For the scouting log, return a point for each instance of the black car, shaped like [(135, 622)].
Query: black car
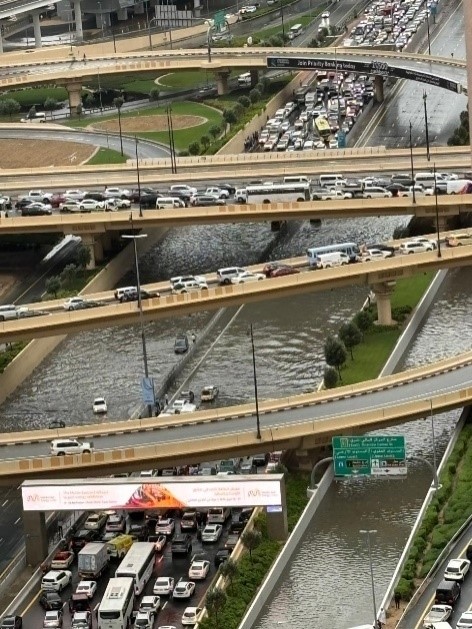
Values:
[(181, 544), (57, 423), (139, 530), (35, 209), (260, 460), (133, 295), (221, 556), (11, 622), (181, 344), (50, 600), (96, 196), (82, 537), (141, 192)]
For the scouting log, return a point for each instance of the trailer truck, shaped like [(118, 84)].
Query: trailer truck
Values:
[(93, 560)]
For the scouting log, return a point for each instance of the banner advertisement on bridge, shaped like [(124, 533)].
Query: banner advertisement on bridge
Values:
[(379, 68), (179, 494)]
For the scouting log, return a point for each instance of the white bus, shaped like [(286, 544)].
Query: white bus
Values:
[(278, 192), (295, 31), (351, 249), (117, 604), (138, 564)]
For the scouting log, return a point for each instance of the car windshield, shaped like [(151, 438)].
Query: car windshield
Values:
[(452, 569)]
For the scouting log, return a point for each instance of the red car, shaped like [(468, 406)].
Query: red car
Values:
[(275, 269)]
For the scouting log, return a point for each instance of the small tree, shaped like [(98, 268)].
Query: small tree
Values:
[(154, 94), (330, 378), (79, 109), (238, 110), (244, 101), (228, 116), (89, 100), (251, 539), (214, 131), (214, 602), (53, 285), (69, 274), (50, 104), (9, 106), (254, 96), (83, 256), (194, 148), (350, 335), (335, 353), (31, 113), (205, 142), (363, 320), (229, 569), (118, 102)]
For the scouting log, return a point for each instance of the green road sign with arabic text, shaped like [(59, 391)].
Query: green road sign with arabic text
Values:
[(365, 455)]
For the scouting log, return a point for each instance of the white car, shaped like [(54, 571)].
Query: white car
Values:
[(219, 193), (166, 526), (188, 287), (115, 523), (52, 619), (164, 586), (199, 569), (75, 194), (99, 406), (56, 580), (189, 279), (325, 15), (437, 613), (190, 615), (86, 587), (374, 254), (413, 246), (118, 193), (183, 589), (426, 241), (62, 447), (211, 533), (95, 521), (457, 569), (150, 604), (144, 620), (184, 189), (91, 205), (376, 192), (69, 206), (73, 303), (247, 276), (465, 621)]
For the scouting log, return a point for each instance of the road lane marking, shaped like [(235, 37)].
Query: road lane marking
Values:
[(17, 520), (31, 603), (6, 502)]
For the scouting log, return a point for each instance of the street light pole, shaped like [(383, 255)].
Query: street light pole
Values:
[(149, 27), (412, 167), (138, 176), (283, 24), (170, 129), (437, 210), (435, 467), (258, 425), (425, 98), (429, 37), (119, 126), (134, 238), (370, 532)]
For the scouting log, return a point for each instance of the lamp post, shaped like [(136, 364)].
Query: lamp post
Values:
[(169, 24), (209, 43), (425, 98), (283, 23), (118, 102), (368, 533), (100, 91), (258, 424), (435, 466), (138, 176), (135, 238), (170, 129), (412, 167), (149, 27), (427, 26), (437, 211)]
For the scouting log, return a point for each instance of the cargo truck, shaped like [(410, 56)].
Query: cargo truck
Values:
[(93, 560)]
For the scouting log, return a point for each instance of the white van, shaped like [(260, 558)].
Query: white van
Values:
[(295, 31), (330, 260), (39, 116), (297, 179), (218, 515), (245, 79), (332, 181), (240, 196), (459, 186), (169, 203), (427, 179)]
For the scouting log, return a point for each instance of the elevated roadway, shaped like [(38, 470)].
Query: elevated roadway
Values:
[(303, 421), (100, 222), (354, 162), (67, 70), (379, 274)]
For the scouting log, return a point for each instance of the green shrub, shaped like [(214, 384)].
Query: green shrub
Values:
[(405, 588)]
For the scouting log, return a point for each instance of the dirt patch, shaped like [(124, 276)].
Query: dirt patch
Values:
[(42, 153), (150, 123)]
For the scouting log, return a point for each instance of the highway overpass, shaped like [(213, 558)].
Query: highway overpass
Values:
[(97, 223), (380, 275), (302, 422)]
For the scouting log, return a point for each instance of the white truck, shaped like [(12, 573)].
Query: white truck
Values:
[(37, 195), (92, 560)]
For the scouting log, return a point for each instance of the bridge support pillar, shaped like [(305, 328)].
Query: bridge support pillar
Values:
[(79, 31), (95, 246), (379, 88), (122, 14), (277, 523), (1, 42), (383, 292), (74, 89), (36, 537), (37, 30), (254, 77), (222, 82)]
